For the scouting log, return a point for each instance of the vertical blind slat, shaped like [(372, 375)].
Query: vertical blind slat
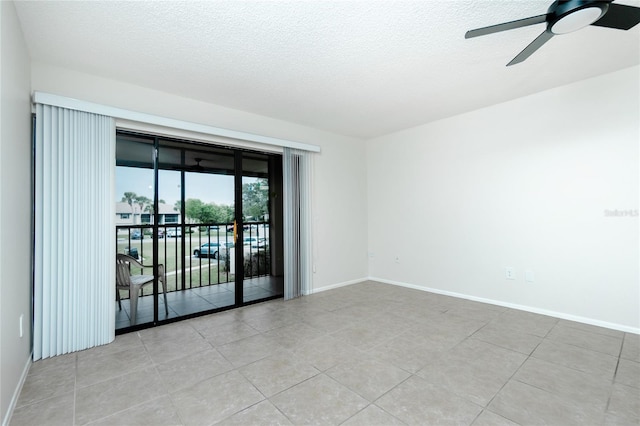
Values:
[(297, 222), (74, 249)]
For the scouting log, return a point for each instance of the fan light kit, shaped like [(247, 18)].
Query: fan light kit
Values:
[(566, 16)]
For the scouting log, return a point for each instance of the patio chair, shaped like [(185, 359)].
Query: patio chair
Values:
[(133, 283)]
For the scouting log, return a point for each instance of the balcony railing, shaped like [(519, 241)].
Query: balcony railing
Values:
[(198, 254)]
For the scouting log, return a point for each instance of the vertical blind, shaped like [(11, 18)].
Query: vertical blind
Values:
[(296, 175), (74, 248)]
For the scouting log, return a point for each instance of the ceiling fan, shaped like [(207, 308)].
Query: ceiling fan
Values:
[(565, 16), (197, 167)]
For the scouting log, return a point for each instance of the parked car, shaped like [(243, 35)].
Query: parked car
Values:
[(174, 232), (136, 235), (255, 242), (133, 252), (230, 228), (211, 249)]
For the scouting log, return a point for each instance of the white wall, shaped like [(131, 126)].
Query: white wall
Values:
[(339, 202), (522, 184), (15, 206)]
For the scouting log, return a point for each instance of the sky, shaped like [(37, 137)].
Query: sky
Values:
[(209, 188)]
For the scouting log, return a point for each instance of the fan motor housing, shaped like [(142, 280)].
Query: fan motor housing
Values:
[(565, 16)]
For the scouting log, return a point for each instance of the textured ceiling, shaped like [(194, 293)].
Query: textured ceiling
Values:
[(361, 69)]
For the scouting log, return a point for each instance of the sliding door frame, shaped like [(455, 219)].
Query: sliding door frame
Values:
[(238, 155)]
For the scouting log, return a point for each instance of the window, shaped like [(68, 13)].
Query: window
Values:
[(170, 218), (125, 215)]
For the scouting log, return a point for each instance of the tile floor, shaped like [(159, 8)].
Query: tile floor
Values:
[(198, 299), (366, 354)]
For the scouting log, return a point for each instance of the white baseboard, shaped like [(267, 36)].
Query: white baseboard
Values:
[(16, 393), (555, 314), (342, 284)]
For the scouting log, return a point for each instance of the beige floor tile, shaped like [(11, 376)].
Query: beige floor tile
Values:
[(394, 322), (319, 401), (373, 416), (446, 330), (625, 404), (59, 363), (597, 342), (475, 312), (613, 420), (508, 338), (628, 373), (47, 382), (213, 320), (121, 343), (587, 361), (326, 351), (486, 356), (272, 375), (367, 377), (525, 322), (55, 411), (262, 414), (174, 343), (330, 303), (109, 397), (183, 372), (566, 383), (528, 405), (295, 335), (361, 311), (327, 322), (474, 383), (166, 332), (631, 347), (591, 328), (100, 366), (157, 412), (215, 399), (363, 336), (419, 402), (487, 418), (250, 349), (272, 319), (226, 333), (410, 351)]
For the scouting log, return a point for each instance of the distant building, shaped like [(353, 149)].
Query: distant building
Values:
[(131, 215)]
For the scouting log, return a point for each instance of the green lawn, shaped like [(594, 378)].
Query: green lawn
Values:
[(198, 271)]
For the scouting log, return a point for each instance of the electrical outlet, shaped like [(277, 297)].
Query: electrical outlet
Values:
[(509, 273)]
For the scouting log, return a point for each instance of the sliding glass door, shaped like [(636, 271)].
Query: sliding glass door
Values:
[(205, 221)]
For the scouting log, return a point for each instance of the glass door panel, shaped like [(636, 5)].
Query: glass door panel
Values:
[(134, 181), (210, 256), (169, 231), (197, 183), (260, 280)]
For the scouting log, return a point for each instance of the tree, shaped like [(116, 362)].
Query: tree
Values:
[(142, 201), (193, 209), (255, 199), (129, 198), (149, 208), (199, 212)]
